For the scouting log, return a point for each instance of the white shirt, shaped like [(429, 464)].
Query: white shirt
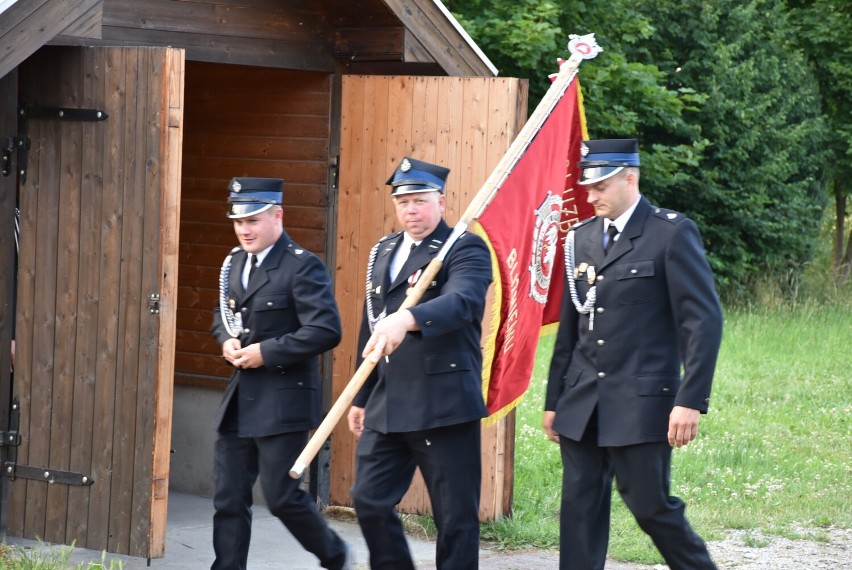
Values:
[(247, 265), (621, 220), (401, 255)]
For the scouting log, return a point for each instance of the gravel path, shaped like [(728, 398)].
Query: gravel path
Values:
[(773, 553)]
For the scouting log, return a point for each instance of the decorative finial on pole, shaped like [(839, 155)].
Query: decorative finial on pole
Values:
[(580, 48)]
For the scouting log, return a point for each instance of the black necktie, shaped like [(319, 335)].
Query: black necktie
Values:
[(253, 267), (611, 232)]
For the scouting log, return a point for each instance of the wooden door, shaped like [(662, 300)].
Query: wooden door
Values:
[(97, 284), (465, 124)]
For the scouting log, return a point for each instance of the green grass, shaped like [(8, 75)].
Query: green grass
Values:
[(772, 456), (44, 557)]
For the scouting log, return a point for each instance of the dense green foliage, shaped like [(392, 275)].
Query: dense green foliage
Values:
[(730, 115), (824, 30)]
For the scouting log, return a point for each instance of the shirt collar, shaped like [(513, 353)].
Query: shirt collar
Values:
[(262, 255), (407, 240), (622, 220)]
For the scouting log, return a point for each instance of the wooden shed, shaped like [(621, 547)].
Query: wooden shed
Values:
[(122, 122)]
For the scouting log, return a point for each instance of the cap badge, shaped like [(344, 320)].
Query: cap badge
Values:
[(584, 150), (236, 186), (405, 166)]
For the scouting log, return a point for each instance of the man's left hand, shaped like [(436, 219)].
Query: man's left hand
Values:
[(683, 426), (249, 357)]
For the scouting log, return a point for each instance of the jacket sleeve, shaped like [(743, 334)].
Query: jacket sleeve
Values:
[(319, 320), (566, 338), (697, 314), (462, 297), (363, 336)]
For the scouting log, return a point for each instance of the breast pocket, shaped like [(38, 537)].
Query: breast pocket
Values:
[(269, 312), (636, 280)]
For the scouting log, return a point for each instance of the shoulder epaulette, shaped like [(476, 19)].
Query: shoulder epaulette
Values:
[(235, 250), (389, 236), (295, 250), (669, 215), (583, 222)]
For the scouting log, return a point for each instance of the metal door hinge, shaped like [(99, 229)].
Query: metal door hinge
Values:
[(154, 304), (21, 143), (12, 439)]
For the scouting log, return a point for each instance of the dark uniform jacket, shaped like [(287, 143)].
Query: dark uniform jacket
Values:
[(657, 330), (434, 378), (290, 310)]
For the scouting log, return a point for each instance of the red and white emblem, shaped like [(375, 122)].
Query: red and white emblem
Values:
[(585, 47), (544, 245)]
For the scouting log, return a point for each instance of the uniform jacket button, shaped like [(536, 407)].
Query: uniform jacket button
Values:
[(600, 310), (269, 303), (601, 342), (600, 277), (601, 375), (246, 331)]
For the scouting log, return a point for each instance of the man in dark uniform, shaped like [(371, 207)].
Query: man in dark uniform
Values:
[(639, 307), (277, 314), (423, 403)]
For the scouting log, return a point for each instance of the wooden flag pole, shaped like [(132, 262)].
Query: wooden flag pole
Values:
[(581, 47)]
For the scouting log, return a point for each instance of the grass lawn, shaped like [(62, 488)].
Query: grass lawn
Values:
[(773, 455)]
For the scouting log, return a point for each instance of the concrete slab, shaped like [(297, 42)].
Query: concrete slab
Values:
[(189, 546)]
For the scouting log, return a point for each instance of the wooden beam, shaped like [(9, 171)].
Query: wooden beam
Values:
[(302, 56), (442, 37), (88, 25), (369, 43), (413, 50), (26, 26)]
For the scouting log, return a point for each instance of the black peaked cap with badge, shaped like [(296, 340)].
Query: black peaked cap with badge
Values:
[(417, 176), (604, 158), (250, 196)]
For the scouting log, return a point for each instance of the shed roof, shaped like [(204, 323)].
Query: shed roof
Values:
[(420, 37)]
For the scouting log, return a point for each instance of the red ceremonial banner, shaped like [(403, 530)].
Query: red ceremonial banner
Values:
[(525, 227)]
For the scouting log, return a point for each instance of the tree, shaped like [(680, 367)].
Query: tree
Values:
[(823, 29), (755, 189), (725, 108)]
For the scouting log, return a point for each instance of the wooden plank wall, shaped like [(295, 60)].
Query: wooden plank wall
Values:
[(90, 351), (243, 121), (465, 124), (255, 32)]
